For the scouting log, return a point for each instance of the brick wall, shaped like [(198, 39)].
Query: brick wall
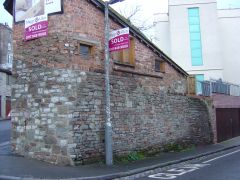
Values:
[(81, 21)]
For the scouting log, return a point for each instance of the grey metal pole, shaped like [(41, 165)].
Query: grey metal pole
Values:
[(108, 125)]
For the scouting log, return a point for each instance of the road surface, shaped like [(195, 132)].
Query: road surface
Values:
[(5, 136), (225, 166)]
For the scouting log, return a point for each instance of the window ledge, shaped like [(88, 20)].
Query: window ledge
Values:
[(132, 71), (158, 71), (86, 40), (124, 64)]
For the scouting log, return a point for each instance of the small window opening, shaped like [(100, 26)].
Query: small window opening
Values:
[(160, 65), (85, 51)]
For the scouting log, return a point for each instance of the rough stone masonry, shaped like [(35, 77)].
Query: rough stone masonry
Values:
[(58, 115)]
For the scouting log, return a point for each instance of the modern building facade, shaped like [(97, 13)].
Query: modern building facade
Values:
[(229, 28), (202, 39)]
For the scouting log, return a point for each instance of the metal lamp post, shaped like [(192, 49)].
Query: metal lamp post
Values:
[(108, 125)]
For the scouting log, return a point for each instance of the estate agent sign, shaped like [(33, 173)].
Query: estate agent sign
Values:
[(36, 27), (119, 40)]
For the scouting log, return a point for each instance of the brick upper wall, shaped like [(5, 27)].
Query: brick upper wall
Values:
[(80, 20)]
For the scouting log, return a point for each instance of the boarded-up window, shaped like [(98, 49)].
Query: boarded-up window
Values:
[(160, 65), (191, 85), (126, 56)]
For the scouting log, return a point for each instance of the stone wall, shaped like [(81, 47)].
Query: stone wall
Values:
[(5, 91), (58, 114), (5, 45)]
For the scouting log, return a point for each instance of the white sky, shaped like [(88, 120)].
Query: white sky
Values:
[(4, 15), (148, 7)]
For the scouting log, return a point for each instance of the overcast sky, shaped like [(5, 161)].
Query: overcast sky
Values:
[(4, 15), (148, 7)]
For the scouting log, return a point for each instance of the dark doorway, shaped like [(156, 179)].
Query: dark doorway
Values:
[(228, 123)]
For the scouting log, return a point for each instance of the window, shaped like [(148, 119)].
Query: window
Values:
[(9, 59), (8, 79), (85, 50), (126, 56), (160, 65), (9, 46), (195, 36), (199, 78)]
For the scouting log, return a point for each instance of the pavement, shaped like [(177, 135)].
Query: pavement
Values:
[(17, 167)]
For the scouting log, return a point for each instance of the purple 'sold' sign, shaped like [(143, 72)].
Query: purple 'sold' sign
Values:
[(119, 40), (36, 27)]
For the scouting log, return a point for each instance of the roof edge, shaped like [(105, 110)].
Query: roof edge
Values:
[(137, 33), (8, 5), (6, 71)]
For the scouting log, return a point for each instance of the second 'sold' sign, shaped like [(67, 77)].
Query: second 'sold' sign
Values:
[(36, 27), (119, 40)]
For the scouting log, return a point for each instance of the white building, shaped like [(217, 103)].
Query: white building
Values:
[(202, 39)]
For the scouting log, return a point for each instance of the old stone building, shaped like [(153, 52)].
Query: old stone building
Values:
[(58, 99), (5, 93), (6, 53)]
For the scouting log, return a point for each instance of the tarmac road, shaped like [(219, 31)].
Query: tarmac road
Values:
[(5, 136), (5, 133), (225, 166)]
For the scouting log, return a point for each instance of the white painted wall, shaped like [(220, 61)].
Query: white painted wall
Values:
[(189, 2), (180, 50), (162, 30), (180, 39), (229, 29), (209, 74)]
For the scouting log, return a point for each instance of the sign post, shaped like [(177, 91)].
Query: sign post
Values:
[(108, 124)]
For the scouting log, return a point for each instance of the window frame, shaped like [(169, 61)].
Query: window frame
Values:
[(9, 58), (91, 49), (194, 25), (8, 80), (122, 54), (162, 66)]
